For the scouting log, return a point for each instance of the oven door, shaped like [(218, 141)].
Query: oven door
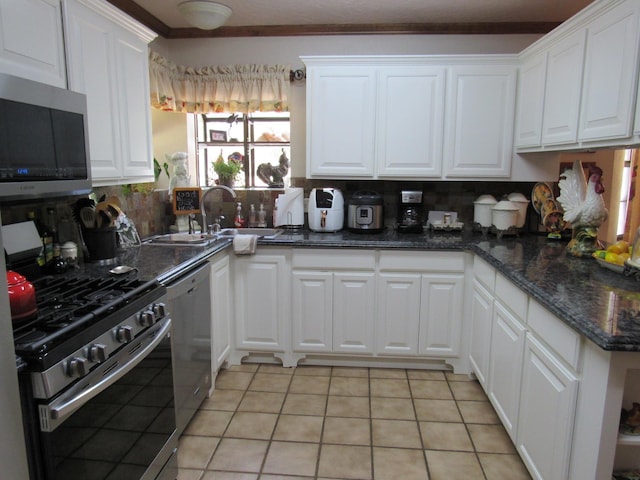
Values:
[(118, 422)]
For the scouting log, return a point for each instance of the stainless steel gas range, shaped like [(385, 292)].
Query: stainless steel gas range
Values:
[(96, 381)]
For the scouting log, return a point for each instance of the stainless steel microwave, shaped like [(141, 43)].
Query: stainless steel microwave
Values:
[(43, 140)]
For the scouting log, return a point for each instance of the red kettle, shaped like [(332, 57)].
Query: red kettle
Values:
[(22, 297)]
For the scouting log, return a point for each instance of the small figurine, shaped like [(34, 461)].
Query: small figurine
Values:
[(274, 176), (181, 177)]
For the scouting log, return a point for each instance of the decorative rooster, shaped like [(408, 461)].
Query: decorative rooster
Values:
[(583, 206)]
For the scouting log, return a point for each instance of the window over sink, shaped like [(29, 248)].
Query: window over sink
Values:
[(258, 143)]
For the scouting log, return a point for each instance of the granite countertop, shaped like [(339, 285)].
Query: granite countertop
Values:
[(602, 305)]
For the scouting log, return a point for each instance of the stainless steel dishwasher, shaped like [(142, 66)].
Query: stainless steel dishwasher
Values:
[(189, 303)]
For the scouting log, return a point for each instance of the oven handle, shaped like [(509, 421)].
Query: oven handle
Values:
[(63, 406)]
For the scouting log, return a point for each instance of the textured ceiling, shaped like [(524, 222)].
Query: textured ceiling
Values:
[(315, 12)]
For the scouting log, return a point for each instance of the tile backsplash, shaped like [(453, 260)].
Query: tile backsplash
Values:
[(151, 210)]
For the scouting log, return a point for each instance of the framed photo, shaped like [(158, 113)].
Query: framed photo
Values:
[(217, 136)]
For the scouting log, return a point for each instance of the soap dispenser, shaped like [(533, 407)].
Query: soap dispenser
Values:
[(238, 221)]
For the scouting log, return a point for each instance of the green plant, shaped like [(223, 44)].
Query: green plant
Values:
[(228, 169)]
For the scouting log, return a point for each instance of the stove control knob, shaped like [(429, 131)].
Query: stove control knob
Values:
[(146, 318), (124, 334), (77, 367), (97, 353), (159, 309)]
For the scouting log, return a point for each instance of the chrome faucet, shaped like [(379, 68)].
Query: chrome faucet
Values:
[(205, 227)]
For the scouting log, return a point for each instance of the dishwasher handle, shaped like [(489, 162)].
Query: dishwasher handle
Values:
[(188, 281)]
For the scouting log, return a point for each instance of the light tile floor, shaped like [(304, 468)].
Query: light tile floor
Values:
[(266, 422)]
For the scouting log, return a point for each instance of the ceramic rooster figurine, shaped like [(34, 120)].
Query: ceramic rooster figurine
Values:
[(583, 207)]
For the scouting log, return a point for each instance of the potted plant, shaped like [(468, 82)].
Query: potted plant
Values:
[(229, 170)]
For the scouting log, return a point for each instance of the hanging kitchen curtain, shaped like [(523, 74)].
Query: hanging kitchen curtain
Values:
[(214, 89)]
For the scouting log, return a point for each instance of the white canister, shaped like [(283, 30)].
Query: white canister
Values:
[(522, 203), (482, 210), (504, 215)]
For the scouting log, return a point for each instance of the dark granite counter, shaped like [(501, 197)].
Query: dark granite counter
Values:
[(600, 304)]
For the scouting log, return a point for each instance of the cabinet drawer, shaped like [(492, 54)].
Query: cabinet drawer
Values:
[(333, 259), (484, 273), (511, 296), (551, 330), (420, 261)]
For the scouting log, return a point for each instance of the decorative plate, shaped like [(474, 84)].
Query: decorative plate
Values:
[(611, 266), (540, 193)]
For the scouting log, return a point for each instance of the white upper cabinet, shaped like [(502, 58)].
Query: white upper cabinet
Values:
[(400, 117), (610, 74), (410, 121), (340, 121), (563, 87), (31, 41), (590, 85), (479, 126), (108, 62), (530, 103)]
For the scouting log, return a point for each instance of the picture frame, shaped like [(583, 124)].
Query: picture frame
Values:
[(217, 136)]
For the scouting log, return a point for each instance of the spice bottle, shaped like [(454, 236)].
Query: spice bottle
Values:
[(238, 221), (262, 217), (252, 217)]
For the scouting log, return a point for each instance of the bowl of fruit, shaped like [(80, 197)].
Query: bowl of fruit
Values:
[(614, 257)]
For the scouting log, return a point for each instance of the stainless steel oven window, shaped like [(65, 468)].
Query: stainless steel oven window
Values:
[(125, 432)]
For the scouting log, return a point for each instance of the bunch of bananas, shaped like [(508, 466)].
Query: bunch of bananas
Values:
[(615, 253)]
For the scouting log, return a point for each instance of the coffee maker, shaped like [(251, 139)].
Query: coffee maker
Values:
[(410, 211)]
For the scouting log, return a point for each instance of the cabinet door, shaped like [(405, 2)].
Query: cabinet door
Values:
[(563, 87), (530, 101), (108, 63), (505, 366), (353, 312), (340, 121), (481, 320), (441, 300), (221, 312), (261, 302), (31, 41), (547, 409), (479, 134), (410, 121), (397, 313), (611, 62), (132, 57), (312, 311)]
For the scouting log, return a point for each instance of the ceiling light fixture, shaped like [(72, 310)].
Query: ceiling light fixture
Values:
[(204, 14)]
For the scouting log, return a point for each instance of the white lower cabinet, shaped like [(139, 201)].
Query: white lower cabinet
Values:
[(547, 408), (333, 296), (221, 310), (262, 297), (480, 332), (505, 366), (419, 303)]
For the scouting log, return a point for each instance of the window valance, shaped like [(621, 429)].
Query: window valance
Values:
[(230, 88)]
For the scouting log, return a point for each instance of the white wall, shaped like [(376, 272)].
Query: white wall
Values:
[(287, 50)]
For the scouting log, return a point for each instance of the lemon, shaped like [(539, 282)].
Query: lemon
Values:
[(611, 257), (614, 249), (599, 254)]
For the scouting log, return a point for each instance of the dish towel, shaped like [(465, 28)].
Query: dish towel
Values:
[(244, 244)]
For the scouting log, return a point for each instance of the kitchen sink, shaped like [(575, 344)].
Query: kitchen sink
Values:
[(184, 239), (261, 232)]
